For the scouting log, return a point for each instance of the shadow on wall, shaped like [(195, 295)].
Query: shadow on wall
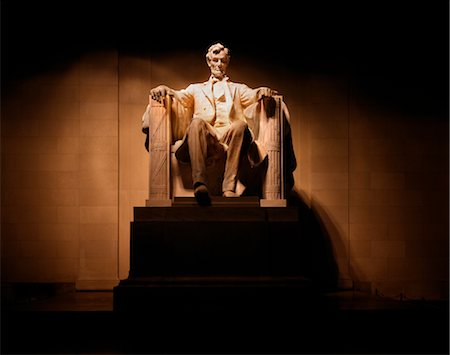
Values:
[(317, 259)]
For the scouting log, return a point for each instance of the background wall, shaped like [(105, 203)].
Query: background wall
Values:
[(367, 89), (60, 174)]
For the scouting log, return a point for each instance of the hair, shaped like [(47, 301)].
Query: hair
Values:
[(216, 48)]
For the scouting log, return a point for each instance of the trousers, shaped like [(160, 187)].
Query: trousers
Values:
[(203, 143)]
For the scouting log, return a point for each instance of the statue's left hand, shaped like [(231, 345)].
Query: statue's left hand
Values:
[(264, 92)]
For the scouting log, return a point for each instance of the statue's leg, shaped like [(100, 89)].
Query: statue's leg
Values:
[(198, 148), (237, 138), (199, 136)]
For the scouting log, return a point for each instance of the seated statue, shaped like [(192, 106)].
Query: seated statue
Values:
[(221, 117)]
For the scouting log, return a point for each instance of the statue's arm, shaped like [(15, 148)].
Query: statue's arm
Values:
[(184, 96), (250, 96)]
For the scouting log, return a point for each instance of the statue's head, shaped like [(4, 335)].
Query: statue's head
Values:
[(217, 58)]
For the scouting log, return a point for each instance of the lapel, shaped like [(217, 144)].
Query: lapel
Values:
[(207, 90), (232, 88)]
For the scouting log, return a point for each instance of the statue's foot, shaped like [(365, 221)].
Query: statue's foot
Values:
[(202, 195), (230, 194)]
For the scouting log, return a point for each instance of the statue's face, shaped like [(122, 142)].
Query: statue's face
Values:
[(218, 64)]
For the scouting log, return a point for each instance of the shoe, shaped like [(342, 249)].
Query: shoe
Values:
[(230, 194), (202, 195)]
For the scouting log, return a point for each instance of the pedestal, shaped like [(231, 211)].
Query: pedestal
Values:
[(232, 254)]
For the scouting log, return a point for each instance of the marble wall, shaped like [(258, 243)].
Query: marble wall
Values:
[(74, 165)]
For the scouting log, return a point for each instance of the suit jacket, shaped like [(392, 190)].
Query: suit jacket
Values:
[(199, 99)]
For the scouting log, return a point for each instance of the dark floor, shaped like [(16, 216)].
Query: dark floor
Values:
[(346, 323)]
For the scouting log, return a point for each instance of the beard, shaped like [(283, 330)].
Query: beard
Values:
[(218, 73)]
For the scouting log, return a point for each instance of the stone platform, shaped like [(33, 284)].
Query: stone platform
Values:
[(233, 253)]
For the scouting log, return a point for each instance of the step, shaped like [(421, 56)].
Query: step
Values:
[(241, 201), (216, 212), (228, 294)]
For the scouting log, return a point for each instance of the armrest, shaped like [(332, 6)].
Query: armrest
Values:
[(157, 119)]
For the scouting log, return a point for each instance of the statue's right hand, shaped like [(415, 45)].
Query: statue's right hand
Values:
[(158, 93)]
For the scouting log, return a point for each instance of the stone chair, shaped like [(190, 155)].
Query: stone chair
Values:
[(270, 180)]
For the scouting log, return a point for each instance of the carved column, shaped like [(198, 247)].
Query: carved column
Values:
[(273, 187), (159, 191)]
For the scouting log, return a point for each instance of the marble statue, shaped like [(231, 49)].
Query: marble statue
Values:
[(219, 121)]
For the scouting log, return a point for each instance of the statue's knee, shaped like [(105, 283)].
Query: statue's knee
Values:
[(196, 125), (239, 126)]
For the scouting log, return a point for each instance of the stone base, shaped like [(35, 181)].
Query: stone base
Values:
[(185, 240), (230, 255)]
